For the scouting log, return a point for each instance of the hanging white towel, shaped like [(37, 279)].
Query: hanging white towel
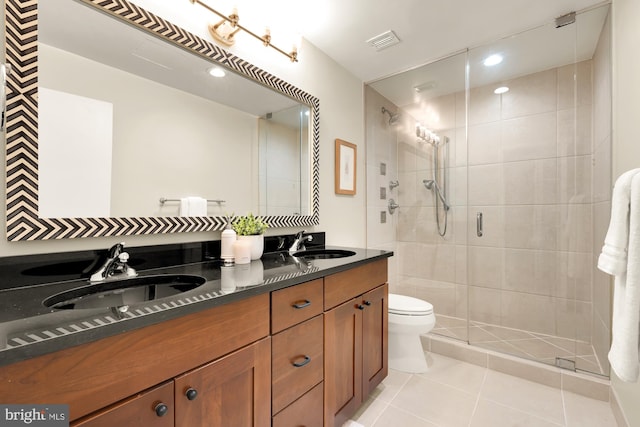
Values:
[(621, 257), (193, 206), (613, 259)]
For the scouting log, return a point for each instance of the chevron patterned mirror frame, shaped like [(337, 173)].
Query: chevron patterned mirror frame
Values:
[(23, 222)]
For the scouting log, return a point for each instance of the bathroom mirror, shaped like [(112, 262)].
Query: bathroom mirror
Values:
[(233, 110)]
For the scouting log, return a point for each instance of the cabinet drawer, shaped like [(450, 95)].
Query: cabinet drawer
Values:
[(343, 286), (139, 410), (306, 411), (295, 304), (297, 362)]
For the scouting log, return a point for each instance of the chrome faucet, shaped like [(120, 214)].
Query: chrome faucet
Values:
[(298, 243), (115, 267)]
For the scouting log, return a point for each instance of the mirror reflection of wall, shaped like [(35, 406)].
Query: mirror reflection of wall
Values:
[(75, 155), (284, 166)]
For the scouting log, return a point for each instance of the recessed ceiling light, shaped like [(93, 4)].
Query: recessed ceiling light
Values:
[(425, 86), (492, 60), (501, 90), (217, 72)]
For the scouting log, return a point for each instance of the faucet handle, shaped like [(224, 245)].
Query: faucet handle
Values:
[(124, 267), (116, 250)]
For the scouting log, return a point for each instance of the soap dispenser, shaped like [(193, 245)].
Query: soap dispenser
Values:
[(227, 241)]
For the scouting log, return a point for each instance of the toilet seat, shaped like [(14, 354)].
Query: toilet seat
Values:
[(408, 306)]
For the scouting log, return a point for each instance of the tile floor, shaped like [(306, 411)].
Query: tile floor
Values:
[(529, 345), (455, 393)]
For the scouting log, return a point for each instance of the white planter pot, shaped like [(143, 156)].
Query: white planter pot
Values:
[(257, 245)]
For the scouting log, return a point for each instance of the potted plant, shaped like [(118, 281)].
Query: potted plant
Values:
[(251, 228)]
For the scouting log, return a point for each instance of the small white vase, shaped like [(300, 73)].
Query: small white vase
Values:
[(257, 245)]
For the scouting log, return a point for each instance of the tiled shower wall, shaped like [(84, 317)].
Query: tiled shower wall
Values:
[(381, 161), (530, 176), (538, 171)]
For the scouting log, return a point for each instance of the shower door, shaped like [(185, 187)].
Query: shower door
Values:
[(538, 186)]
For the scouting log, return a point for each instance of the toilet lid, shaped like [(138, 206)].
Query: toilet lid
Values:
[(402, 304)]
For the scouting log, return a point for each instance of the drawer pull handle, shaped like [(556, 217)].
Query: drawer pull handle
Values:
[(304, 304), (161, 409), (306, 360), (367, 302), (191, 393), (360, 307)]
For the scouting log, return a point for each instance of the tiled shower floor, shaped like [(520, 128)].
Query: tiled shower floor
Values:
[(529, 345)]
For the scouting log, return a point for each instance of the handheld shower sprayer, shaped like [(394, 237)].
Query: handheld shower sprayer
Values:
[(425, 135), (431, 184)]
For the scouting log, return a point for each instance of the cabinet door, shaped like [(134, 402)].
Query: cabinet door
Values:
[(343, 362), (152, 408), (232, 391), (375, 325)]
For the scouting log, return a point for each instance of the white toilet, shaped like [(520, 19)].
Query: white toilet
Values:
[(408, 319)]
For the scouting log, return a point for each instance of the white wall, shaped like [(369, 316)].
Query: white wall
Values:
[(626, 141), (341, 116)]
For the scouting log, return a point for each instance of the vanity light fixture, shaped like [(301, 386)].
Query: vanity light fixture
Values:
[(225, 30), (216, 72), (492, 60), (501, 90)]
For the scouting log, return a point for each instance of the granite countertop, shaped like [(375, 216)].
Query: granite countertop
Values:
[(29, 329)]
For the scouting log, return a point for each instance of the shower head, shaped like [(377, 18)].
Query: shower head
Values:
[(393, 118), (428, 183)]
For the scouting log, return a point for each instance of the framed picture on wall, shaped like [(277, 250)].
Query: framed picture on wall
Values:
[(345, 179)]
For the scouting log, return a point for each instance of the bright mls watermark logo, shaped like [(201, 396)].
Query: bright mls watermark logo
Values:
[(34, 415)]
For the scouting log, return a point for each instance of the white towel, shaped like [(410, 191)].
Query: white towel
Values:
[(613, 259), (626, 300), (193, 206)]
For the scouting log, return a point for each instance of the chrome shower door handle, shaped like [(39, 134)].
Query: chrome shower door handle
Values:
[(479, 231)]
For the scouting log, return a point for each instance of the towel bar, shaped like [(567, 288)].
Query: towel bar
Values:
[(163, 200)]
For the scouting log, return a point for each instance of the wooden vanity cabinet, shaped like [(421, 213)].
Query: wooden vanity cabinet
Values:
[(356, 340), (306, 411), (297, 368), (92, 377), (153, 407), (231, 391), (306, 355), (375, 321)]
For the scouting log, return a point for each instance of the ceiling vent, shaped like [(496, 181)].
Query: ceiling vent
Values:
[(384, 40), (567, 19)]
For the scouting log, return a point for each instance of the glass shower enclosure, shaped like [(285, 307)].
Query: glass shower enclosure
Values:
[(507, 146)]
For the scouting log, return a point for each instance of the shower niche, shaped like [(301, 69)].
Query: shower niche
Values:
[(505, 195)]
